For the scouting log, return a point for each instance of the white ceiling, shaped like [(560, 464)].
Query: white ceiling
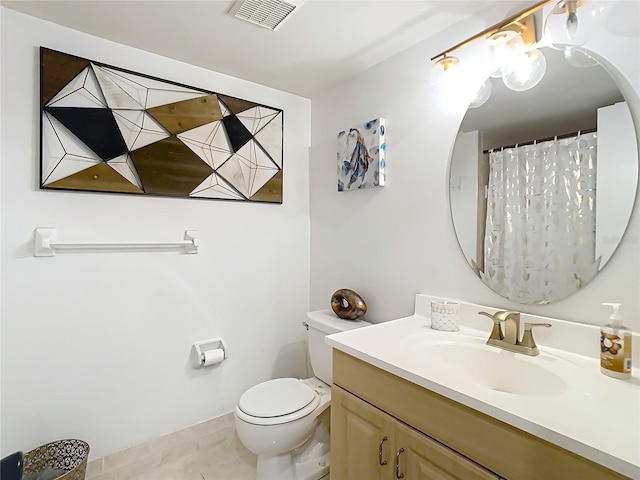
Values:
[(324, 43)]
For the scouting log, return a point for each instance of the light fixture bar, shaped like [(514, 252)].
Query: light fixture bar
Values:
[(525, 15)]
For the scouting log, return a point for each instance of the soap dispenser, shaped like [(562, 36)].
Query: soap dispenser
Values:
[(615, 346)]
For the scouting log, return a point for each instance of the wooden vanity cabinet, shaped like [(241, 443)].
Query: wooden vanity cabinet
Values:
[(439, 438), (372, 445), (363, 436)]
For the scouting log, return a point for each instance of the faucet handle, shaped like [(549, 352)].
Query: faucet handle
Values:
[(496, 333), (502, 315), (528, 326), (527, 336)]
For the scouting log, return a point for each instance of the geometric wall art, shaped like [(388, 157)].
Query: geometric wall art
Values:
[(106, 129), (362, 156)]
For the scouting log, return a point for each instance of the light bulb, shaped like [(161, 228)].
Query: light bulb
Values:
[(504, 45), (570, 7), (482, 95), (525, 71), (445, 78), (574, 23)]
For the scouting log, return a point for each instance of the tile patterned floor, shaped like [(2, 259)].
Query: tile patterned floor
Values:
[(210, 450), (226, 459)]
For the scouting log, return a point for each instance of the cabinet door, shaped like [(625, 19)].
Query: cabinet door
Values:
[(422, 458), (361, 439)]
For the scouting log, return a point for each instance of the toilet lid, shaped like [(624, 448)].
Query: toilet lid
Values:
[(275, 398)]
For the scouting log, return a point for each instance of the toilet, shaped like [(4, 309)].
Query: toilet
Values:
[(286, 421)]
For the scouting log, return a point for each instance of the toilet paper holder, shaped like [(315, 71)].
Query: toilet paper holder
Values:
[(199, 350)]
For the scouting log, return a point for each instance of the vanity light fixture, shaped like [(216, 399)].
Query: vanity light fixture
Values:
[(505, 40), (524, 71), (512, 44), (445, 74), (574, 22), (504, 44), (482, 95)]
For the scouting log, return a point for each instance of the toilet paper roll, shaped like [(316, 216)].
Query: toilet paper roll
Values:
[(212, 357)]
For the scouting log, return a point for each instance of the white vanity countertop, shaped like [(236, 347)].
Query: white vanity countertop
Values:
[(599, 421)]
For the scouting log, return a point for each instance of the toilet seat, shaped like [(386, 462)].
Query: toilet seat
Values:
[(277, 401)]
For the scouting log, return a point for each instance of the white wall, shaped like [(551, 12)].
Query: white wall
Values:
[(96, 345), (392, 242)]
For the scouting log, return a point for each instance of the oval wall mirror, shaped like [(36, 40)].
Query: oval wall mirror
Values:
[(542, 182)]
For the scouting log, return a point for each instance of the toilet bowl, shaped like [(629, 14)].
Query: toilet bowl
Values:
[(276, 419), (285, 421)]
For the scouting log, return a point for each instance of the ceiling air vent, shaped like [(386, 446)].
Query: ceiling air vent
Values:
[(269, 14)]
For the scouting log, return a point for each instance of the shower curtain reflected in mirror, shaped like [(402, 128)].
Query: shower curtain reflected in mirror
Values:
[(539, 243)]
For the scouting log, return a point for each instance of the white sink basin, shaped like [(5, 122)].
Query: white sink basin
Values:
[(495, 369), (469, 360)]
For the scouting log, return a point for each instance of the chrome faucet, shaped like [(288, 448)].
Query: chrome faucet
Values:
[(508, 338)]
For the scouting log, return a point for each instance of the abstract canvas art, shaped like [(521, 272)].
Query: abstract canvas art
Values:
[(361, 156), (106, 129)]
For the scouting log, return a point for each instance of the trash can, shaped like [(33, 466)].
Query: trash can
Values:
[(68, 455), (11, 466)]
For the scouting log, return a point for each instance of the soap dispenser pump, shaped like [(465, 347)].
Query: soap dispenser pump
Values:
[(615, 346)]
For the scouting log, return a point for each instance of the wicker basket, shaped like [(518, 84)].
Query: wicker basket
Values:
[(68, 454)]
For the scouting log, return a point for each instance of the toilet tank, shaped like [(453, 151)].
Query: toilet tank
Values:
[(322, 323)]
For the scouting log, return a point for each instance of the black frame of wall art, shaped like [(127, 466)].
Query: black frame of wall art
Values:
[(107, 129)]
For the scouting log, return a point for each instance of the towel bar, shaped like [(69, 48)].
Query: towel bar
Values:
[(45, 244)]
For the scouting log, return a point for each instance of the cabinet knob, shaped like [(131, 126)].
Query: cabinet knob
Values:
[(398, 474), (380, 460)]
